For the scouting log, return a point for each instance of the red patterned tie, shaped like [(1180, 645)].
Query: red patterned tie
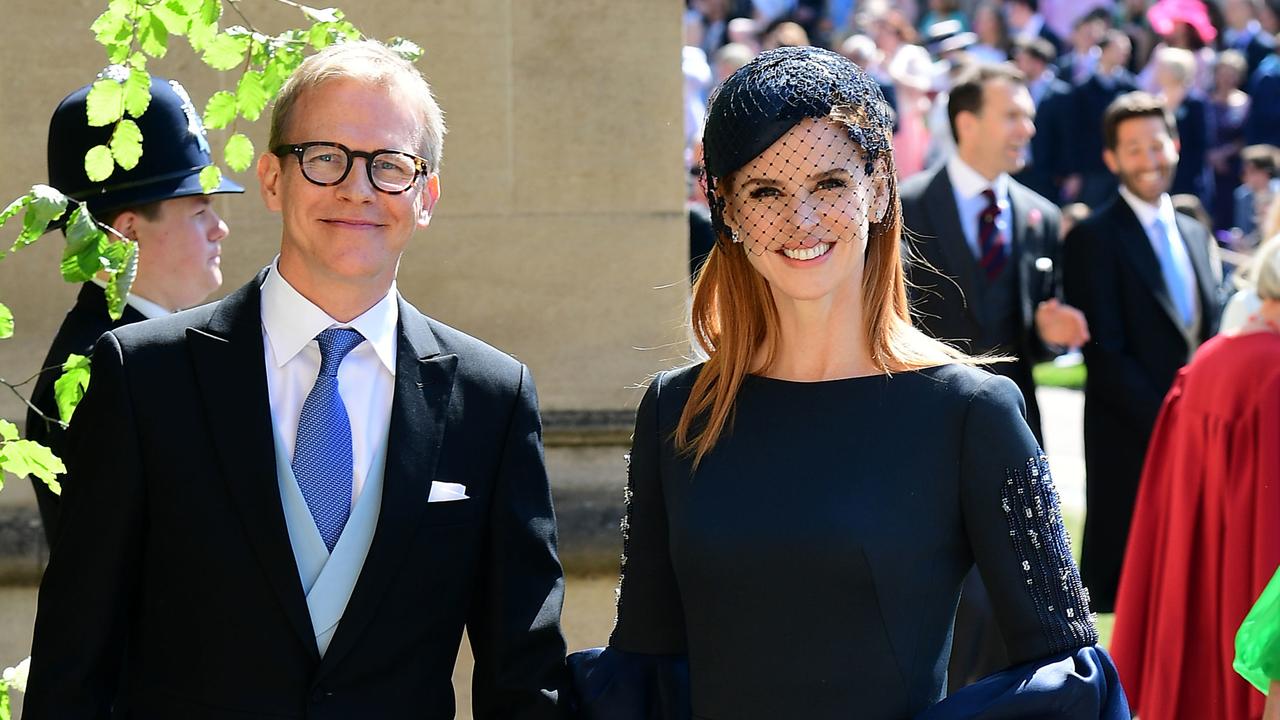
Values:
[(993, 249)]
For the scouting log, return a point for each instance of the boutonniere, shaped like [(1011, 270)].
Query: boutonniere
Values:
[(1034, 216)]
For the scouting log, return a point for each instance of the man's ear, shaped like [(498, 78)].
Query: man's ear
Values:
[(430, 196), (269, 180), (126, 223), (1109, 157)]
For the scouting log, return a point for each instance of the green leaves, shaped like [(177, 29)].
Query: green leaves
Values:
[(210, 178), (82, 255), (407, 49), (153, 36), (126, 144), (68, 390), (137, 92), (225, 52), (105, 102), (27, 457), (6, 322), (251, 96), (120, 259), (23, 458), (220, 111), (99, 163), (238, 152), (42, 205)]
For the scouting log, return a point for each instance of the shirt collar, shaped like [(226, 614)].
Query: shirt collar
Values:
[(291, 321), (145, 307), (1146, 212), (970, 183)]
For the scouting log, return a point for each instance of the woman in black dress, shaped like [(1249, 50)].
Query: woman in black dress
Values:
[(804, 504)]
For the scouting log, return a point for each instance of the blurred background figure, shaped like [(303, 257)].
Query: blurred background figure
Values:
[(1259, 186), (745, 31), (943, 11), (1092, 182), (784, 34), (1080, 60), (1026, 22), (1206, 528), (993, 34), (729, 58), (1174, 75), (1228, 111), (910, 68), (1244, 32), (1052, 146)]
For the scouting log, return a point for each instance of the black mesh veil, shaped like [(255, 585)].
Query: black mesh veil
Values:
[(793, 145)]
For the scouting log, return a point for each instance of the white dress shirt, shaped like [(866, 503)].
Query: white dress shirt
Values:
[(145, 307), (968, 185), (366, 377), (1148, 214)]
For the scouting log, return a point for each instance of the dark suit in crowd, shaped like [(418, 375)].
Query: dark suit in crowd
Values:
[(1092, 97), (1053, 145), (176, 521), (85, 322), (951, 299), (1138, 343), (1195, 132)]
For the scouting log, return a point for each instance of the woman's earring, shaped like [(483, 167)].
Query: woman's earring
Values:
[(733, 235)]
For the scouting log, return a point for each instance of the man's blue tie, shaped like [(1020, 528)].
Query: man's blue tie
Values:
[(322, 454), (1174, 279)]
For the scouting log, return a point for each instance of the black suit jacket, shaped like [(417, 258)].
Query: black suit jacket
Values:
[(174, 555), (1051, 146), (949, 273), (85, 322), (1136, 348)]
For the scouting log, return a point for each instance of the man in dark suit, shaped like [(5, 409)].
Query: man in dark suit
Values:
[(989, 245), (1245, 33), (1026, 23), (1090, 182), (160, 205), (1051, 145), (1146, 281), (291, 502), (984, 278)]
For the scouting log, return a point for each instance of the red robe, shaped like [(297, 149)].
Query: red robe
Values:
[(1205, 537)]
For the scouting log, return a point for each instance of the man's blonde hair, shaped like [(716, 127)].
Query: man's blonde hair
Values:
[(366, 61)]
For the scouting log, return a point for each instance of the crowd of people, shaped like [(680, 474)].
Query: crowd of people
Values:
[(1213, 65), (1087, 176)]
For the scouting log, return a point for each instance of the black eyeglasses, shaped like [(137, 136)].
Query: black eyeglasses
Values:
[(328, 163)]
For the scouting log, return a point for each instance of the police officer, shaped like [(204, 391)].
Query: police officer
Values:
[(160, 205)]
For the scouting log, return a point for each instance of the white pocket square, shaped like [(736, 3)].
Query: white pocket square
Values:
[(447, 491)]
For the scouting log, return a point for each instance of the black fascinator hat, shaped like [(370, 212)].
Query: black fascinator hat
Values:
[(767, 97)]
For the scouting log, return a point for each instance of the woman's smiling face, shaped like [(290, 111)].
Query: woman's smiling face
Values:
[(802, 211)]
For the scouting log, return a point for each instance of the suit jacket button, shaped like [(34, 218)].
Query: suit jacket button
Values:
[(319, 694)]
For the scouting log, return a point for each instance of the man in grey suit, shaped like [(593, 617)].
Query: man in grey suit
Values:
[(984, 276), (989, 280), (291, 502)]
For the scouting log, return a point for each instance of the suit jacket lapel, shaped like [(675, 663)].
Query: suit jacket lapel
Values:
[(1137, 247), (230, 369), (419, 412), (1019, 206), (940, 203)]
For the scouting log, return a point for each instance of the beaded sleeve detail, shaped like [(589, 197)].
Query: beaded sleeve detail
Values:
[(1030, 504)]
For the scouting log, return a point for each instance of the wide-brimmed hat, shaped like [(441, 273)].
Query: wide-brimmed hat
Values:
[(174, 151)]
